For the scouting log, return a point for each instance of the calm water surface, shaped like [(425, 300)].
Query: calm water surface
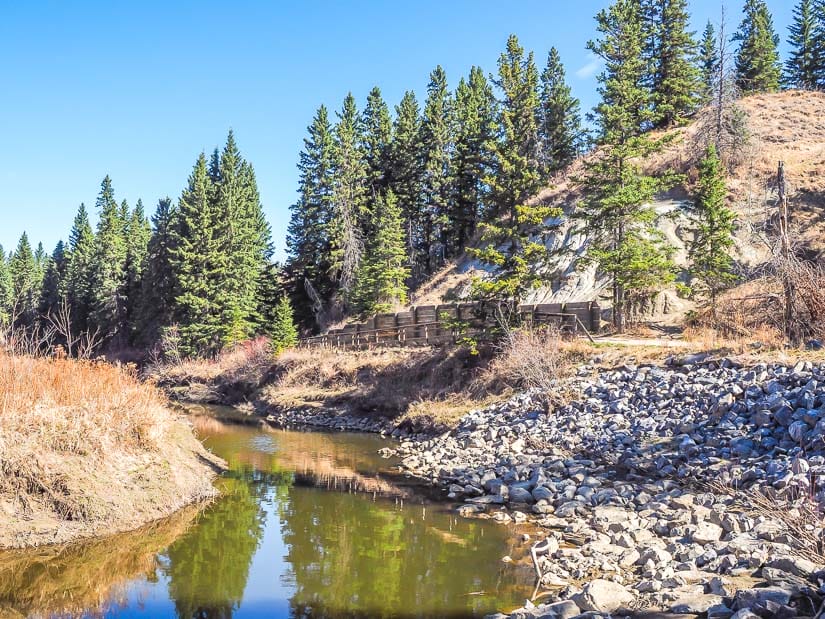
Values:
[(309, 524)]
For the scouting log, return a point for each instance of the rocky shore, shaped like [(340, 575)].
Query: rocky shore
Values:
[(679, 489), (645, 484)]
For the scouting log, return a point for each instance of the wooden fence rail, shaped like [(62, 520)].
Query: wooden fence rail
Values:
[(442, 324)]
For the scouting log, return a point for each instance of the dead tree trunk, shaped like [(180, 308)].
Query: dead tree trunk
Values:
[(787, 258)]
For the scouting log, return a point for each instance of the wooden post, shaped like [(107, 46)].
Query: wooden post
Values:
[(785, 242)]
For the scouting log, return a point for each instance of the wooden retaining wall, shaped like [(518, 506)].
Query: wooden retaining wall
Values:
[(442, 324)]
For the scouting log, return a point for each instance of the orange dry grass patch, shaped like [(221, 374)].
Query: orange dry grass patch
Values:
[(80, 407), (85, 449)]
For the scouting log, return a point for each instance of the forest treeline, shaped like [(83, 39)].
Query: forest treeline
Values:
[(387, 197)]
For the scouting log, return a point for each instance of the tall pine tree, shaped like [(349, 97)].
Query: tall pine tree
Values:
[(159, 281), (25, 293), (81, 259), (559, 122), (805, 68), (197, 261), (711, 265), (54, 290), (708, 60), (617, 217), (349, 198), (108, 271), (309, 263), (381, 281), (475, 129), (516, 176), (675, 78), (757, 60), (407, 174), (6, 290), (436, 142), (138, 232), (376, 133)]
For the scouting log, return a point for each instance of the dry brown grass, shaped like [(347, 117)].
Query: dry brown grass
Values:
[(86, 448)]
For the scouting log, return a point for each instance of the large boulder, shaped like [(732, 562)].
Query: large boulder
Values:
[(603, 596)]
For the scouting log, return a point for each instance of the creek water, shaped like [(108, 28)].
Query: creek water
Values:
[(308, 524)]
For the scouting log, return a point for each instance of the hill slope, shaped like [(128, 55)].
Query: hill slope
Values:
[(788, 126)]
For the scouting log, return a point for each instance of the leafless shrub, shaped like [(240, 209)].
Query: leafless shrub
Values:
[(530, 357)]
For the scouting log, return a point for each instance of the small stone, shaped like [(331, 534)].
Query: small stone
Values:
[(707, 532)]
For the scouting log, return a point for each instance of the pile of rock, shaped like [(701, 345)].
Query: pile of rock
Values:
[(609, 474)]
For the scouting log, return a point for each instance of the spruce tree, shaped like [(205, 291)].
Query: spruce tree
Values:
[(25, 294), (516, 175), (804, 67), (309, 262), (559, 122), (198, 262), (757, 60), (617, 217), (711, 265), (625, 107), (436, 143), (382, 276), (54, 290), (475, 130), (138, 232), (6, 290), (284, 334), (158, 284), (675, 79), (349, 198), (407, 176), (242, 236), (376, 132), (708, 59), (108, 271), (81, 259)]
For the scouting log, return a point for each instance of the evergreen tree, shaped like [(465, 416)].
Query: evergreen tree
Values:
[(349, 198), (196, 261), (138, 233), (675, 78), (475, 130), (516, 175), (243, 239), (708, 61), (806, 64), (757, 60), (284, 333), (381, 281), (559, 123), (618, 219), (41, 263), (54, 290), (23, 270), (377, 136), (711, 265), (81, 259), (625, 107), (309, 264), (108, 270), (6, 290), (436, 143), (516, 249), (159, 280), (407, 175)]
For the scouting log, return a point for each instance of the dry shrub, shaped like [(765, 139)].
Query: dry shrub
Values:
[(530, 358)]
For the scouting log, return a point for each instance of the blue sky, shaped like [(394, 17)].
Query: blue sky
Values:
[(137, 89)]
